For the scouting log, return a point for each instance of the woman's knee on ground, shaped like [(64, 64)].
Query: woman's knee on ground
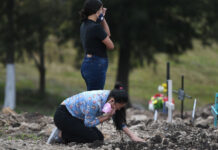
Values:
[(95, 136)]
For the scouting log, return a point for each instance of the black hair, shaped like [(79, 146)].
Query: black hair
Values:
[(90, 7), (120, 96)]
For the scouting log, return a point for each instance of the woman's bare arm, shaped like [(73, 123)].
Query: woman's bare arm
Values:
[(132, 135), (107, 116), (106, 27), (108, 42)]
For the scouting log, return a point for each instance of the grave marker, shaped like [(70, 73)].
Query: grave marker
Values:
[(182, 95), (169, 103), (214, 110)]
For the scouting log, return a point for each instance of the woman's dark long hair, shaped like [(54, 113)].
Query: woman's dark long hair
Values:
[(90, 7), (120, 96)]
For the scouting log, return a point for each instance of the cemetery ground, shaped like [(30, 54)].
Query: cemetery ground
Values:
[(31, 130)]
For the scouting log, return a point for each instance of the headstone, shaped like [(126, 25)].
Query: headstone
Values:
[(214, 110)]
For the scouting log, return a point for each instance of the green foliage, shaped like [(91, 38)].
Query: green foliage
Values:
[(26, 26), (210, 31), (155, 26), (8, 30), (37, 20)]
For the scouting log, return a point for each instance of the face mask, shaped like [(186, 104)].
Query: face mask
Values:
[(107, 108), (100, 18)]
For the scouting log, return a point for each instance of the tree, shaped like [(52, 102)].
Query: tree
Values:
[(69, 28), (39, 19), (25, 25), (210, 31), (7, 39), (144, 28)]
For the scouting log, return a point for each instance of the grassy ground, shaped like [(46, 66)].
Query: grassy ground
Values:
[(199, 66)]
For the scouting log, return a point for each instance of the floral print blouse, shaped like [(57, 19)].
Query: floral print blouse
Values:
[(87, 106)]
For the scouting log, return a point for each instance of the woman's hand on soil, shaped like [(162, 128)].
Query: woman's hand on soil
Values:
[(137, 139)]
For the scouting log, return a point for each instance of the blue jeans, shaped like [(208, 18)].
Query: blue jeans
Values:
[(93, 71)]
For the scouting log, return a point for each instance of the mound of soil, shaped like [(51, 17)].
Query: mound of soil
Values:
[(31, 131)]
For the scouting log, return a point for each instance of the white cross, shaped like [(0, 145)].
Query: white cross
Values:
[(155, 115), (193, 111), (169, 103)]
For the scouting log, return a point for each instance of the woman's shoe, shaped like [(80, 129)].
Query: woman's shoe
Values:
[(54, 137)]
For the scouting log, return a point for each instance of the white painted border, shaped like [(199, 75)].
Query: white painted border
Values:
[(10, 89)]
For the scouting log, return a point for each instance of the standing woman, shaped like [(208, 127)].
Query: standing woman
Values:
[(95, 38)]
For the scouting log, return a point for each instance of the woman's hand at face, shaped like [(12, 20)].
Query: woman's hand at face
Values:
[(104, 11), (111, 113)]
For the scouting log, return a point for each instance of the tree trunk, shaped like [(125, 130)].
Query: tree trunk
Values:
[(11, 34), (42, 68), (124, 66), (10, 89)]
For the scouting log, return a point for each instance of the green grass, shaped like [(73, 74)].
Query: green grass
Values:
[(199, 66), (24, 136), (27, 136)]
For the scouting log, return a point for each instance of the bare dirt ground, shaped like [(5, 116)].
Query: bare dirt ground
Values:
[(30, 131)]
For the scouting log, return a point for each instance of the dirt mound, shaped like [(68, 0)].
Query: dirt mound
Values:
[(31, 130)]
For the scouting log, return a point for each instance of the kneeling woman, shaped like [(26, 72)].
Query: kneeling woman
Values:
[(77, 116)]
